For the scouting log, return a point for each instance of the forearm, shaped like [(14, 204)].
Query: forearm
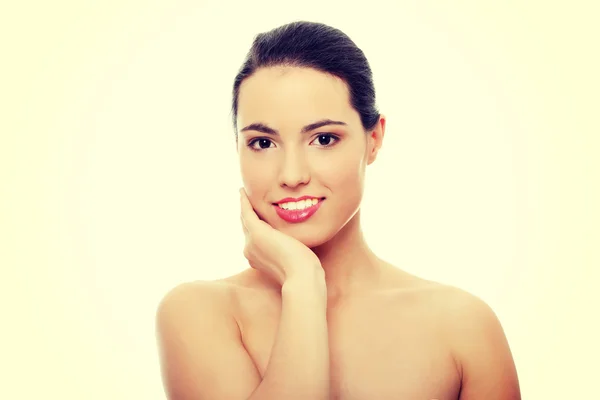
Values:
[(299, 363)]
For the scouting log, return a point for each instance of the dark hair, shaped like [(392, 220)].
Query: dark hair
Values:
[(318, 46)]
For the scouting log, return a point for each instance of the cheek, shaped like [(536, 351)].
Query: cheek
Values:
[(343, 171), (256, 176)]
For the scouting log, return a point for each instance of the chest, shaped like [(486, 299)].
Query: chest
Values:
[(377, 350)]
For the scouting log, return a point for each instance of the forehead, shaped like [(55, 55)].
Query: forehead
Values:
[(291, 96)]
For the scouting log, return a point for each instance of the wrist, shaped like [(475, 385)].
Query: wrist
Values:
[(307, 280), (308, 273)]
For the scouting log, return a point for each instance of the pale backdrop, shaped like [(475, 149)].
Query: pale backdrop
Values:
[(119, 175)]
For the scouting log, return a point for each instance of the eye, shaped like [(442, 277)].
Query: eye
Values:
[(259, 144), (326, 139)]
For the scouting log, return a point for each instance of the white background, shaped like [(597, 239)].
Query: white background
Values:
[(119, 174)]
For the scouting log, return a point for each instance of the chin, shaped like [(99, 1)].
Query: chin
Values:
[(310, 235), (313, 241)]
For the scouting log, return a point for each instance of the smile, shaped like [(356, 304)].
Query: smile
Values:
[(298, 210)]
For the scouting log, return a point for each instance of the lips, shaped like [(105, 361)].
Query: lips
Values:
[(295, 210), (296, 199)]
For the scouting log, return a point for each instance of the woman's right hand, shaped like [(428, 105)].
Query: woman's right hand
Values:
[(272, 252)]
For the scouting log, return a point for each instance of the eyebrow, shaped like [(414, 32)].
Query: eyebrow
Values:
[(260, 127)]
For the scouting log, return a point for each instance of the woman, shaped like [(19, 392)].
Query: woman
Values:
[(318, 315)]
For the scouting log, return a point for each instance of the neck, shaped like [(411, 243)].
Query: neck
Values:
[(349, 263)]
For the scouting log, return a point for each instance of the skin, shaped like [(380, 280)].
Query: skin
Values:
[(391, 335)]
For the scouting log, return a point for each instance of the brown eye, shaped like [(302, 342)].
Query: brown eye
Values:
[(264, 143), (260, 144), (326, 139)]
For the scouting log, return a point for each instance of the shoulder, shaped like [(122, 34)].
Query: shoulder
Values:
[(463, 317), (454, 310), (478, 344), (468, 320), (464, 311), (188, 301), (199, 343), (189, 311), (457, 310)]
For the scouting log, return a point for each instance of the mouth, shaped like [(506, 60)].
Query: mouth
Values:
[(298, 204), (298, 210)]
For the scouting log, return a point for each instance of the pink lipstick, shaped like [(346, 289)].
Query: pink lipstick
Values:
[(295, 210)]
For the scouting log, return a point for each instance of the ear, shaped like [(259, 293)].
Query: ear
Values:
[(375, 139)]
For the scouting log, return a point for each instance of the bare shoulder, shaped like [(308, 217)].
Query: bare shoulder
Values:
[(455, 305), (189, 298), (466, 318), (473, 335), (219, 294), (461, 308), (462, 315), (199, 344), (187, 309), (202, 301), (477, 342)]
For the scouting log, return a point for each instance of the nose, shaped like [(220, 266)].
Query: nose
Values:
[(294, 170)]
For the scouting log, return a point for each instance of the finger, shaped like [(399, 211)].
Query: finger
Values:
[(249, 217), (243, 225)]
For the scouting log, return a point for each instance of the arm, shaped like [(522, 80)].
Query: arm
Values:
[(483, 354), (202, 355), (299, 363)]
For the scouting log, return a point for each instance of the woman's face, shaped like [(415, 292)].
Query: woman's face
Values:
[(283, 156)]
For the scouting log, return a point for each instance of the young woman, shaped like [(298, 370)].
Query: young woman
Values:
[(318, 315)]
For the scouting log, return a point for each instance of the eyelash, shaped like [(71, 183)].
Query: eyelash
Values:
[(330, 135)]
